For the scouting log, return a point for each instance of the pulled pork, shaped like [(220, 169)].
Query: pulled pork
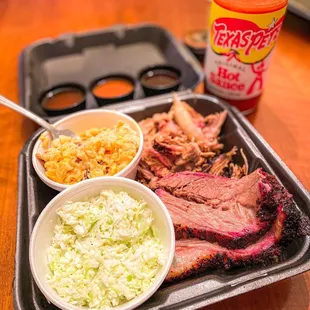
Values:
[(184, 140)]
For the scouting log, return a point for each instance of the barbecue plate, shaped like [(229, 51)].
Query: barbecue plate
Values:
[(205, 288)]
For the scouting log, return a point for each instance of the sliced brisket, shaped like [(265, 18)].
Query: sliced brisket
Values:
[(193, 255), (215, 190), (234, 227), (231, 212)]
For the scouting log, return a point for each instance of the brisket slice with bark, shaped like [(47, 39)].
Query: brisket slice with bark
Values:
[(193, 255), (231, 212)]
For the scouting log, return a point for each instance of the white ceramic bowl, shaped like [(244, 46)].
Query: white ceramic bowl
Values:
[(44, 230), (81, 121)]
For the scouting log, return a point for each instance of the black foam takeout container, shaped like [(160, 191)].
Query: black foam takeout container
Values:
[(206, 288), (82, 58)]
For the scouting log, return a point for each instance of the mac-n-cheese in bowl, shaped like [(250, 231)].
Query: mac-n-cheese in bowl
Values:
[(93, 153)]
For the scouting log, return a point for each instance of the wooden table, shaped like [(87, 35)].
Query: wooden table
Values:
[(283, 117)]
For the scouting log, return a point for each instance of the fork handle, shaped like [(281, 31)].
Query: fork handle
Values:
[(10, 104)]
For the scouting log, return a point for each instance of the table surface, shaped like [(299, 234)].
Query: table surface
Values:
[(283, 116)]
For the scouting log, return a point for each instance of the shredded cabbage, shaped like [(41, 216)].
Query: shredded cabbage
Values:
[(105, 251)]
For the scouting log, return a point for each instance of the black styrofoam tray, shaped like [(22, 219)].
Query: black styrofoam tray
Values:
[(83, 57), (206, 288)]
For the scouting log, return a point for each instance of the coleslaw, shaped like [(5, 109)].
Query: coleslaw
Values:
[(105, 251)]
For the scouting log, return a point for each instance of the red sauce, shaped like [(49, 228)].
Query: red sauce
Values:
[(111, 88), (62, 99)]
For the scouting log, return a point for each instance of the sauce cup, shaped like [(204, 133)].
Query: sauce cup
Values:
[(63, 99), (160, 79), (113, 88)]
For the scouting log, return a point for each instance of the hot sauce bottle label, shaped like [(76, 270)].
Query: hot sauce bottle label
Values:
[(239, 51)]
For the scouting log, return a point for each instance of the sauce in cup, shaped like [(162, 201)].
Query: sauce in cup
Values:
[(63, 99), (160, 79), (112, 88)]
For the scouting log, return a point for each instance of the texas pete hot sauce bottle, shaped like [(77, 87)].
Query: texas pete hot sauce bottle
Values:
[(242, 36)]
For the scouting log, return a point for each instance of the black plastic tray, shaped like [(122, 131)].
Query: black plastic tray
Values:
[(83, 57), (206, 288)]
